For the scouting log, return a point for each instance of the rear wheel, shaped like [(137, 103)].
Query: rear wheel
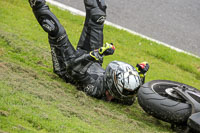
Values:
[(159, 99)]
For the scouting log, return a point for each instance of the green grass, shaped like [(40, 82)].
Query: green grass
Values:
[(34, 99)]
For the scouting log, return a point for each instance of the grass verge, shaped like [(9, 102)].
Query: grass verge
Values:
[(33, 99)]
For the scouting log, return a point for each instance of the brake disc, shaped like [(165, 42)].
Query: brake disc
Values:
[(171, 92)]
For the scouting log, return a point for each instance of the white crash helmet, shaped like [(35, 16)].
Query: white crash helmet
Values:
[(122, 80)]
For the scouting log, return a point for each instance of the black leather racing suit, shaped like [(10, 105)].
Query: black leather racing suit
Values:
[(76, 66)]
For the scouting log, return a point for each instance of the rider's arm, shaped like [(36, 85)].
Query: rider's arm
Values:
[(95, 55)]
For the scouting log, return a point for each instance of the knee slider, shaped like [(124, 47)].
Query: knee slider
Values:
[(47, 20), (49, 26)]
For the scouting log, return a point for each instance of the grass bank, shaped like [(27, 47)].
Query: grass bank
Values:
[(34, 99)]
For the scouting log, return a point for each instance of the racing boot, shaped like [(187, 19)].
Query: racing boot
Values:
[(92, 33)]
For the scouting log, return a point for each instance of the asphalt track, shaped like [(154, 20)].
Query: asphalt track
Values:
[(175, 22)]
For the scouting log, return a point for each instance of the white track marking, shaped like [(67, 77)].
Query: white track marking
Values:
[(78, 12)]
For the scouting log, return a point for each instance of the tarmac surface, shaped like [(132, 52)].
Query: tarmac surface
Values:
[(175, 22)]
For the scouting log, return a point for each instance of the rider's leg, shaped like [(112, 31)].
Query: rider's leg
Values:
[(61, 48), (92, 34)]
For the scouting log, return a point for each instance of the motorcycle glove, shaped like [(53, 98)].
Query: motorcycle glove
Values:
[(143, 67), (107, 49)]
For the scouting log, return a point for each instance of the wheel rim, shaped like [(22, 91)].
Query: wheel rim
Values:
[(166, 90)]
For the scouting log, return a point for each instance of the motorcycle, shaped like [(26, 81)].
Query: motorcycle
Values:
[(173, 102)]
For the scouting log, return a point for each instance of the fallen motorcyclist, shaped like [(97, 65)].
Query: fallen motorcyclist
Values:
[(83, 67)]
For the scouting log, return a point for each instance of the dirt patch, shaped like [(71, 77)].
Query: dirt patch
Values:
[(198, 68), (68, 111), (3, 131), (82, 98), (114, 115), (4, 113), (103, 112), (127, 110), (18, 69), (3, 65), (41, 63)]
